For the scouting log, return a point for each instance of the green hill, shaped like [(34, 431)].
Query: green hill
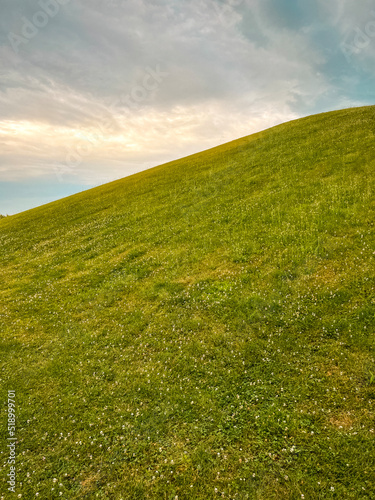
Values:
[(200, 330)]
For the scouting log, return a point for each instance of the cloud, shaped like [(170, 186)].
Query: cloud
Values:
[(226, 69)]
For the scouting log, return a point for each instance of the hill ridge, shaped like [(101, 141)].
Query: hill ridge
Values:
[(202, 328)]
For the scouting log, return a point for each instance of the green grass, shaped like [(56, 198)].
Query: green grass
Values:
[(201, 330)]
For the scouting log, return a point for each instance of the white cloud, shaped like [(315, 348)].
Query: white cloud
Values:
[(232, 70)]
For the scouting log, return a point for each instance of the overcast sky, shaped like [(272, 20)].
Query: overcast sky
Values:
[(95, 90)]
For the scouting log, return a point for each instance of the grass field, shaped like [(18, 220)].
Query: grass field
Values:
[(200, 330)]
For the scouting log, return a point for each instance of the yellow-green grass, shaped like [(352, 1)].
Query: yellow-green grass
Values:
[(200, 330)]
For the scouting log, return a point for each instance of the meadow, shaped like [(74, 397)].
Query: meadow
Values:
[(200, 330)]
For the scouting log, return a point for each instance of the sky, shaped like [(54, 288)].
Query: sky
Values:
[(95, 90)]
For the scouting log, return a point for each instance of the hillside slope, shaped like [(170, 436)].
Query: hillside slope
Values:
[(203, 329)]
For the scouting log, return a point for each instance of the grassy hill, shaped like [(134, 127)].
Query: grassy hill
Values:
[(201, 330)]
